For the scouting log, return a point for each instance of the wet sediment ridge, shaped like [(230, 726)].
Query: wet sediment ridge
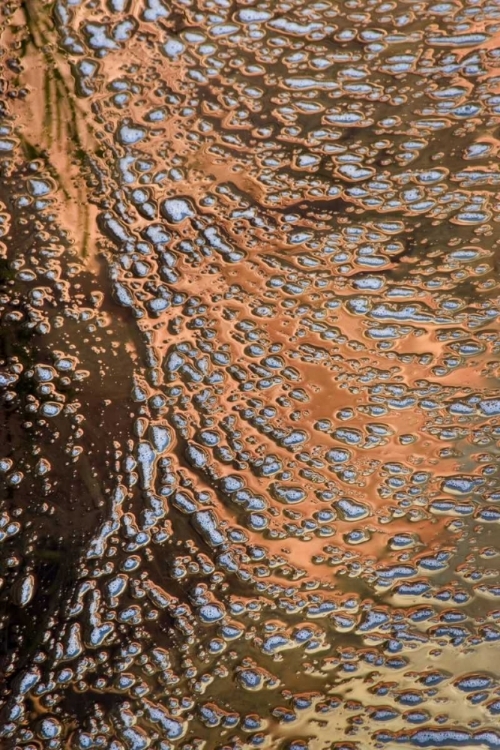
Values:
[(249, 355)]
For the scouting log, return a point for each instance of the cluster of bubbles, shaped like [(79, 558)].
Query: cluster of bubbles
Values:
[(249, 359)]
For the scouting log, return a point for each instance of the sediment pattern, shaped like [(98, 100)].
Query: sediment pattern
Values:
[(249, 374)]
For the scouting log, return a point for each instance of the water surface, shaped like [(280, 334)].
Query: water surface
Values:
[(249, 374)]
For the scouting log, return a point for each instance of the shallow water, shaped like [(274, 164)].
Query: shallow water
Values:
[(249, 374)]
